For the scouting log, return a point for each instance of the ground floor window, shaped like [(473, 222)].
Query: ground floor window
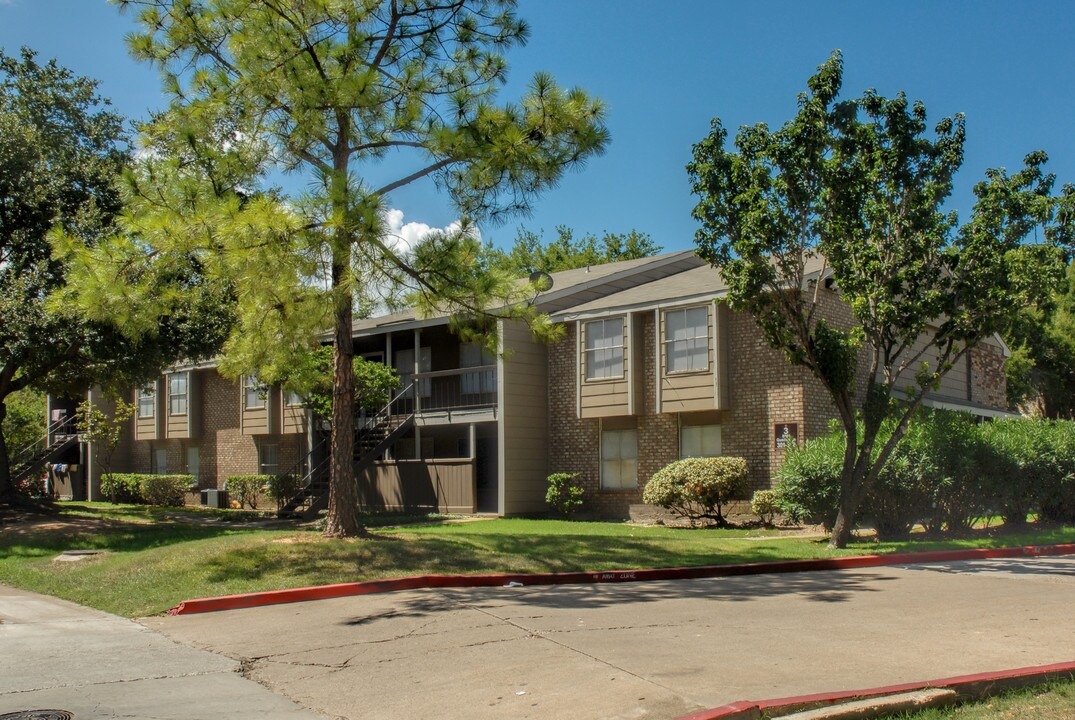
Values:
[(269, 459), (699, 441), (619, 459), (160, 461)]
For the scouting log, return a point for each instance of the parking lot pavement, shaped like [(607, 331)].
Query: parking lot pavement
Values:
[(646, 650), (56, 655)]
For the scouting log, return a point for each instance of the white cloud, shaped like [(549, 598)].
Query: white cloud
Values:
[(404, 236)]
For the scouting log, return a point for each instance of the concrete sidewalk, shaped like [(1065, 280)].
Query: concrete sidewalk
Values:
[(647, 649), (62, 656)]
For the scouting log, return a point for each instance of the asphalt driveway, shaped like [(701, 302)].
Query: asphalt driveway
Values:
[(646, 650)]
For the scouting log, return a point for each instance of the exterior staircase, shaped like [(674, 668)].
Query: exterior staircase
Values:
[(373, 435), (30, 459)]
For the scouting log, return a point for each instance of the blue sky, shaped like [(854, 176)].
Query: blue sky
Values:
[(665, 68)]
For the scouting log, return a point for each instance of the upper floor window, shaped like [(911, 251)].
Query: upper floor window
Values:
[(292, 398), (254, 392), (686, 339), (177, 394), (604, 349), (473, 354), (146, 396), (699, 441)]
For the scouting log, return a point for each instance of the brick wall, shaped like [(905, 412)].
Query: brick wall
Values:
[(764, 391), (222, 449), (989, 384)]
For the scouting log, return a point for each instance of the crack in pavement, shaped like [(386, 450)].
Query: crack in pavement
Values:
[(46, 688), (537, 634)]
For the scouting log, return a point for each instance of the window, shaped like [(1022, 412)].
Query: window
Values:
[(699, 441), (253, 393), (177, 394), (145, 402), (686, 340), (160, 461), (268, 459), (619, 459), (604, 349), (475, 355), (292, 398)]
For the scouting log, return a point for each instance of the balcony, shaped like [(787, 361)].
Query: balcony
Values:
[(460, 395)]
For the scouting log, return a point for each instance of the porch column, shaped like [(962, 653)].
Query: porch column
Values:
[(473, 441), (417, 383)]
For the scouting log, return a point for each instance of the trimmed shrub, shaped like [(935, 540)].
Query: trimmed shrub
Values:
[(808, 482), (1023, 469), (245, 489), (165, 490), (281, 488), (764, 505), (565, 493), (122, 488), (696, 488)]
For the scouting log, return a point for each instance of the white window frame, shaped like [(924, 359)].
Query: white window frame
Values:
[(591, 351), (621, 463), (174, 397), (269, 465), (701, 430), (693, 342), (252, 387), (149, 394)]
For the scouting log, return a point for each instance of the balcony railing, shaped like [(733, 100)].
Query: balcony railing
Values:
[(470, 388)]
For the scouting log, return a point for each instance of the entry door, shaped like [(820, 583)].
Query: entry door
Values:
[(405, 368), (193, 462)]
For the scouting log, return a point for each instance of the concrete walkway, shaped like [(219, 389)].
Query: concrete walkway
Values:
[(60, 656), (646, 650)]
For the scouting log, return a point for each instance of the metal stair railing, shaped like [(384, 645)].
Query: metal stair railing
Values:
[(59, 435), (372, 436)]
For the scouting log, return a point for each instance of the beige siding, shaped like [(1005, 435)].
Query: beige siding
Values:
[(292, 417), (263, 420), (177, 426), (523, 422), (443, 485), (605, 398), (687, 392), (146, 428), (954, 384)]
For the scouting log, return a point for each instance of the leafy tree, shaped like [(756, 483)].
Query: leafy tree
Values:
[(331, 90), (857, 188), (61, 149), (373, 387), (1041, 370), (24, 422), (103, 429), (529, 254)]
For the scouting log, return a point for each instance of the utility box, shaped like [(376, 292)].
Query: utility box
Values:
[(215, 498)]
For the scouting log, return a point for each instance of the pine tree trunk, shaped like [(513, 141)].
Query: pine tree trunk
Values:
[(7, 489), (342, 520)]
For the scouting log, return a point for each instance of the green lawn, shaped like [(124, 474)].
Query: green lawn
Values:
[(155, 558), (1055, 701)]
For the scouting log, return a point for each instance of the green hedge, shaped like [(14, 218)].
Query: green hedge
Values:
[(166, 490), (947, 473)]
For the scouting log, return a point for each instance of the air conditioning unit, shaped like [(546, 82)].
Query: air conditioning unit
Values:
[(215, 498)]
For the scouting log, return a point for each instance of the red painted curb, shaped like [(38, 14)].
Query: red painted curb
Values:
[(324, 592), (968, 687)]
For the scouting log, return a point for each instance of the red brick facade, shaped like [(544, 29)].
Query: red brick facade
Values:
[(223, 450), (764, 389)]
